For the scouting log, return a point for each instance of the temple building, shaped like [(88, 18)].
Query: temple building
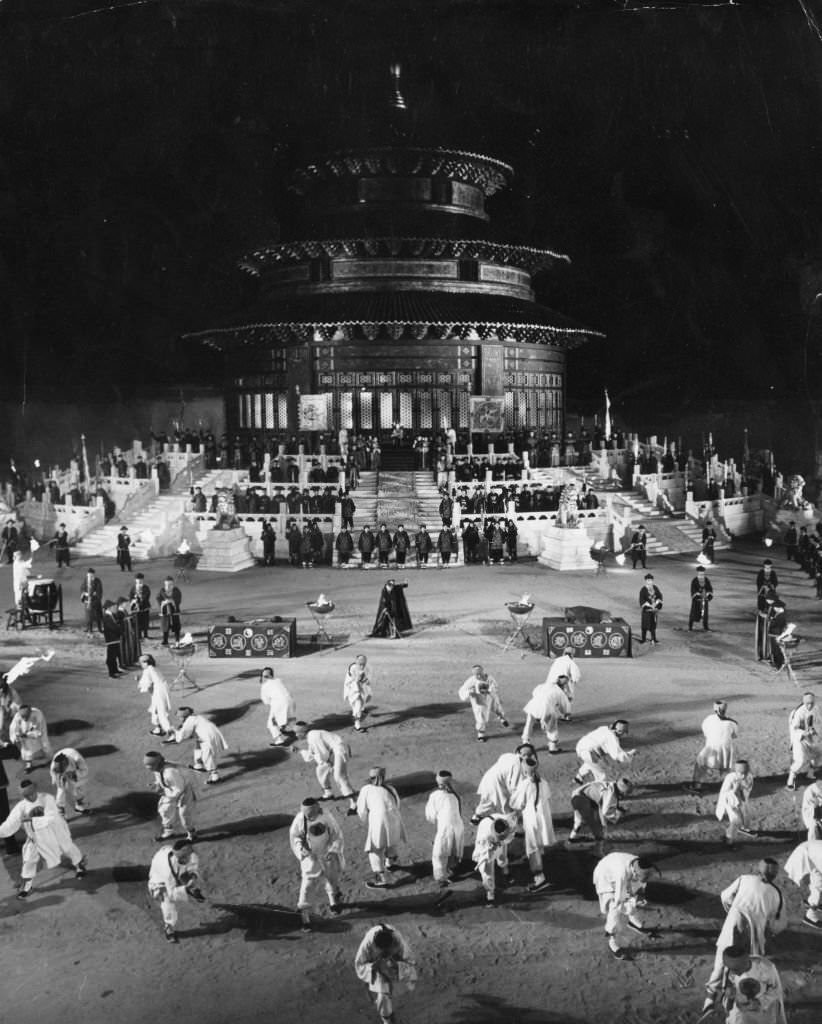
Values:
[(396, 306)]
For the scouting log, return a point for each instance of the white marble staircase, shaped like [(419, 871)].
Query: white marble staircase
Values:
[(143, 528)]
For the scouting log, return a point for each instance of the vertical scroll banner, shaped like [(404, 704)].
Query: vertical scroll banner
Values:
[(313, 412), (487, 414)]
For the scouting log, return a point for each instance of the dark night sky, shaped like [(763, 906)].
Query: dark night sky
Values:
[(671, 149)]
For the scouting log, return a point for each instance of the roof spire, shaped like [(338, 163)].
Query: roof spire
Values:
[(397, 99)]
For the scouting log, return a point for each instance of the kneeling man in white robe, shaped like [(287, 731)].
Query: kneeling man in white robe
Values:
[(173, 877)]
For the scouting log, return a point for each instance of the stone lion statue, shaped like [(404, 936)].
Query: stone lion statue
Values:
[(793, 498), (568, 508), (226, 516)]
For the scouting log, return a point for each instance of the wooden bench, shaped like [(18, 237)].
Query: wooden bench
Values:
[(15, 618)]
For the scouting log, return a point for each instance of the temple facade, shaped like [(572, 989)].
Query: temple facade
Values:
[(396, 306)]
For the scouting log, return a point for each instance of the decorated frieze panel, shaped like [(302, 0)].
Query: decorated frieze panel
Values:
[(505, 275), (533, 380), (351, 269), (391, 379)]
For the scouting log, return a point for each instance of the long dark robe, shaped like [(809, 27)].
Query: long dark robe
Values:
[(392, 606)]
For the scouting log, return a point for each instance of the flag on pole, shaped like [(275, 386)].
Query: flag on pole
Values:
[(607, 416), (86, 471)]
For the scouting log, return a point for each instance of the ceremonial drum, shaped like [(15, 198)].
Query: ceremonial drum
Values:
[(587, 640), (44, 600), (262, 639)]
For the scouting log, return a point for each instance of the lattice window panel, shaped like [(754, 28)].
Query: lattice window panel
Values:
[(426, 413), (442, 402), (257, 410), (346, 410), (463, 409), (366, 406), (329, 411), (270, 420), (282, 411), (508, 408), (386, 410), (406, 410)]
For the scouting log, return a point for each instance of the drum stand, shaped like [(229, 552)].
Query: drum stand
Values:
[(321, 614), (787, 649), (182, 655), (520, 613)]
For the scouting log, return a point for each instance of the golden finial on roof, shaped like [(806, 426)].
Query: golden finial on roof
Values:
[(397, 100)]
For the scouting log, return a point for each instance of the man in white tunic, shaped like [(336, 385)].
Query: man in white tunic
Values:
[(317, 842), (732, 802), (601, 750), (806, 749), (532, 798), (717, 753), (499, 781), (10, 701), (805, 862), (69, 776), (159, 708), (379, 806), (752, 989), (29, 733), (209, 742), (566, 665), (812, 808), (444, 810), (47, 835), (548, 706), (481, 692), (173, 877), (494, 835), (384, 959), (357, 690), (281, 708), (331, 754), (754, 907), (177, 796), (620, 880)]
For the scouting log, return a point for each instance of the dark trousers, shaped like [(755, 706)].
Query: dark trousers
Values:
[(648, 624), (112, 654)]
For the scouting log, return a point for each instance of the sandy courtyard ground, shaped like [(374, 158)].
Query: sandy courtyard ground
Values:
[(94, 951)]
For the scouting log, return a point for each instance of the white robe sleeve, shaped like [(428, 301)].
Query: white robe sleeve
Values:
[(14, 822)]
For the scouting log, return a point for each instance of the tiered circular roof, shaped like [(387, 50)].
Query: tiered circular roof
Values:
[(285, 253), (483, 172), (398, 315)]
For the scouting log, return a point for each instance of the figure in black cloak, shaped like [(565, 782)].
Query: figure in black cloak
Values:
[(392, 611)]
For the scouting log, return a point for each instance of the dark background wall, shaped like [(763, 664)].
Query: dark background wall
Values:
[(673, 150)]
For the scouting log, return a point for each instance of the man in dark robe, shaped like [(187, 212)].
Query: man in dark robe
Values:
[(392, 618)]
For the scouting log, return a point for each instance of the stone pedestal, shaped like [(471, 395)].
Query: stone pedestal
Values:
[(226, 551), (565, 548)]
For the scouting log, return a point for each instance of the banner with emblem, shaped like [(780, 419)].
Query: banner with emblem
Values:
[(313, 412), (487, 414)]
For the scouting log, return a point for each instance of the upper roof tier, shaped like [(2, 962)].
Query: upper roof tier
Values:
[(401, 179)]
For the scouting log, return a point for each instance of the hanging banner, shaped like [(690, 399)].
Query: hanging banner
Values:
[(313, 412), (487, 414)]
